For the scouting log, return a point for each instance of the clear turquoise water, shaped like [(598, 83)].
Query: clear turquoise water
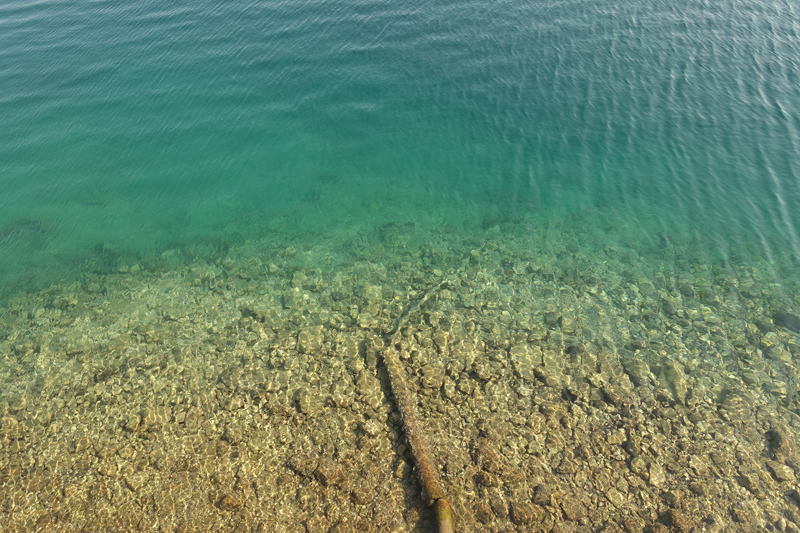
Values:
[(128, 129)]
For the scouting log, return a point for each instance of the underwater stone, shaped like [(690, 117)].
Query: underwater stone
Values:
[(638, 465), (367, 320), (94, 287), (367, 384), (449, 388), (750, 481), (373, 294), (299, 279), (148, 416), (236, 403), (349, 348), (787, 320), (680, 522), (483, 371), (614, 395), (777, 353), (233, 435), (65, 301), (543, 495), (342, 395), (328, 473), (657, 477), (569, 325), (763, 326), (310, 339), (616, 497), (231, 502), (498, 506), (132, 423), (105, 449), (742, 515), (441, 339), (486, 479), (483, 513), (687, 290), (432, 377), (770, 340), (573, 508), (136, 481), (550, 377), (303, 465), (668, 308), (464, 350), (736, 406), (372, 427), (307, 402), (675, 381), (485, 456), (292, 298), (781, 471), (638, 371), (525, 359), (361, 495), (465, 384), (82, 444), (523, 513), (18, 403)]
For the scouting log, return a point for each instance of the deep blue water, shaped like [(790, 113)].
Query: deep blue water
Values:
[(138, 127)]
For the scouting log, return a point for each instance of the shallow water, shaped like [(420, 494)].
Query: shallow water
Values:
[(595, 146)]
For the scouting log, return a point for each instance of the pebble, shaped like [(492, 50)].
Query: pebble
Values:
[(303, 464), (231, 503), (679, 521), (136, 481), (311, 339), (526, 514), (372, 427), (233, 435), (132, 423), (781, 472), (573, 508), (675, 381), (657, 477), (328, 473)]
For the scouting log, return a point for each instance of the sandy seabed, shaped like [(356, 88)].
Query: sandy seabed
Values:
[(242, 389)]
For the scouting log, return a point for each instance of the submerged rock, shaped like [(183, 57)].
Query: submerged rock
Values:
[(787, 320), (674, 381)]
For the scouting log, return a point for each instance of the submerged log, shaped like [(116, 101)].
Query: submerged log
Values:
[(413, 427)]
